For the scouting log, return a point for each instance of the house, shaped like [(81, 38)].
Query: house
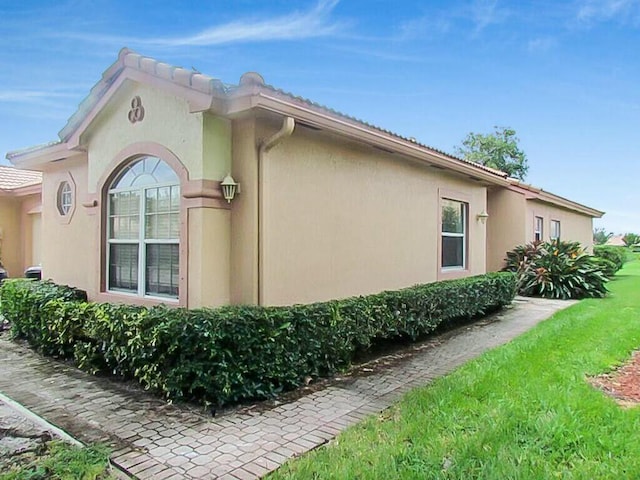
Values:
[(138, 200), (616, 241), (522, 213), (20, 222)]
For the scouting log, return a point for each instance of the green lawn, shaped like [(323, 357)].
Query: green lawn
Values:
[(59, 461), (521, 411)]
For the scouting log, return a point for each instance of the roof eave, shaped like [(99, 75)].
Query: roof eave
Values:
[(34, 159), (258, 98), (534, 193)]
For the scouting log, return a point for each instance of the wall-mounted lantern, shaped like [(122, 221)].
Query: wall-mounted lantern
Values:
[(229, 188), (482, 216)]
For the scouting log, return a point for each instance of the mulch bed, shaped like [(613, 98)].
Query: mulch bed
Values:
[(623, 383)]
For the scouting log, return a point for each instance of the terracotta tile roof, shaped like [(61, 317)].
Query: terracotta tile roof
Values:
[(12, 178), (331, 111), (212, 86)]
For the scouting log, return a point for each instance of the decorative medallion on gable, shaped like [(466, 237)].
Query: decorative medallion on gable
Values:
[(136, 114)]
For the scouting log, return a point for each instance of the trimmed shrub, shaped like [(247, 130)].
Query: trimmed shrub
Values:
[(616, 255), (607, 266), (235, 353), (556, 269), (22, 303)]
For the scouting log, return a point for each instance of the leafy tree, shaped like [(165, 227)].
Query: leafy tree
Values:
[(631, 239), (600, 236), (497, 150)]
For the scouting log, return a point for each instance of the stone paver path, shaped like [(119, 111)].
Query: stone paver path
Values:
[(153, 440)]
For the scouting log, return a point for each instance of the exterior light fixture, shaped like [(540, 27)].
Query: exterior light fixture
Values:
[(482, 216), (229, 188)]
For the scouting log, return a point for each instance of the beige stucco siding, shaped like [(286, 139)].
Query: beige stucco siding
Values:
[(209, 259), (70, 250), (167, 121), (19, 236), (573, 226), (244, 214), (11, 249), (505, 226), (342, 219)]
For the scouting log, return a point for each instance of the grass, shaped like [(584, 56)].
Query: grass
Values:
[(60, 461), (520, 411)]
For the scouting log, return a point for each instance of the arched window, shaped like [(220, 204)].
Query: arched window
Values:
[(143, 232)]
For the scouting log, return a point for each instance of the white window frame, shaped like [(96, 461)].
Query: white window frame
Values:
[(141, 241), (65, 198), (463, 235), (555, 235), (538, 233)]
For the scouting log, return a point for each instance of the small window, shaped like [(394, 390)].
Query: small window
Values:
[(454, 234), (538, 230), (555, 229), (65, 198)]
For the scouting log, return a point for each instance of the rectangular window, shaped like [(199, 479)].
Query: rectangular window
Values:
[(454, 234), (555, 229), (538, 229)]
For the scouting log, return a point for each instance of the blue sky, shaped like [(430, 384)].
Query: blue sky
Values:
[(564, 75)]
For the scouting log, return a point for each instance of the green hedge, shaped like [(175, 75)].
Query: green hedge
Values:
[(616, 255), (230, 354)]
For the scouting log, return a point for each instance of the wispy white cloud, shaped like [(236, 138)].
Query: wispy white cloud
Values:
[(541, 44), (593, 11), (298, 25), (476, 16), (485, 13)]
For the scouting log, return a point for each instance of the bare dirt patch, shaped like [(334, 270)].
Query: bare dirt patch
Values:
[(623, 383)]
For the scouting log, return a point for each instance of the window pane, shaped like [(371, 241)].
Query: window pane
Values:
[(145, 171), (164, 173), (175, 226), (452, 216), (123, 267), (162, 275), (151, 200), (164, 200), (162, 213), (124, 215), (537, 234), (452, 251)]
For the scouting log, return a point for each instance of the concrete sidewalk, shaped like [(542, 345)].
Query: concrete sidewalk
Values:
[(153, 440)]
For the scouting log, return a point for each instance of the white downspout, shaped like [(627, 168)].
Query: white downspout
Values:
[(285, 131)]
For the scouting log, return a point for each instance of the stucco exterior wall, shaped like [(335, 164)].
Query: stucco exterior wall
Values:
[(341, 219), (11, 245), (70, 249), (19, 236), (202, 145), (244, 214), (506, 225), (202, 142), (209, 259), (573, 226)]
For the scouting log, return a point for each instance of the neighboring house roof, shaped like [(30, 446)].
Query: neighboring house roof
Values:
[(535, 193), (616, 241), (14, 180)]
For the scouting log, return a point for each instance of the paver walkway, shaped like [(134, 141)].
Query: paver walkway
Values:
[(155, 440)]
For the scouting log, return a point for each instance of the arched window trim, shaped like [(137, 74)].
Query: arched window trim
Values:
[(145, 273)]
